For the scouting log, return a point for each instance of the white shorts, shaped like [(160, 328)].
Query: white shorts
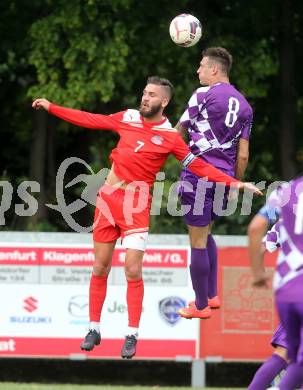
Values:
[(135, 241)]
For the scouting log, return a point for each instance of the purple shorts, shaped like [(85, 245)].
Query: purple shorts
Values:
[(290, 307), (279, 338), (203, 201)]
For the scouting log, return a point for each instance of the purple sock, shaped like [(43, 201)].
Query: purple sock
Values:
[(199, 270), (213, 266), (267, 372), (292, 378)]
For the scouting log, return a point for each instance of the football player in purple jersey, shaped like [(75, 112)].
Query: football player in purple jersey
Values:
[(288, 277), (277, 362), (218, 119)]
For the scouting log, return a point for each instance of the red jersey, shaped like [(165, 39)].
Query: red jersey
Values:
[(143, 146)]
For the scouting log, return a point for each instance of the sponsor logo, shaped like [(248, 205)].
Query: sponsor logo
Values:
[(30, 320), (78, 309), (78, 306), (168, 308), (157, 140), (30, 304), (118, 308)]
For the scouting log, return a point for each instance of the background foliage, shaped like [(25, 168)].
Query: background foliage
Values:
[(96, 55)]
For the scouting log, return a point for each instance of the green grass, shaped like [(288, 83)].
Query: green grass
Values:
[(37, 386)]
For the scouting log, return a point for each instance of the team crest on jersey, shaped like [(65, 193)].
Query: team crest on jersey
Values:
[(157, 140)]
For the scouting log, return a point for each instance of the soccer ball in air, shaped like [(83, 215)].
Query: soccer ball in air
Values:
[(185, 30)]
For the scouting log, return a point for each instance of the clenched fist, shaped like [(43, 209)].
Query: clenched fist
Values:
[(41, 103)]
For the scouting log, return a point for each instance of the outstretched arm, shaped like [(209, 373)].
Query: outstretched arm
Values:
[(77, 117), (203, 169)]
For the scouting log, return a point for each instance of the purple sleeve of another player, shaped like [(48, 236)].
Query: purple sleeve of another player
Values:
[(246, 129), (193, 107)]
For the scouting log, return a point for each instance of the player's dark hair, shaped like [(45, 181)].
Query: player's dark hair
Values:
[(163, 82), (221, 56)]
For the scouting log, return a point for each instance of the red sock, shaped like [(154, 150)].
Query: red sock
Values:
[(97, 294), (134, 298)]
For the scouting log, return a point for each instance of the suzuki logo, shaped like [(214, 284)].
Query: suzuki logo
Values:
[(30, 304)]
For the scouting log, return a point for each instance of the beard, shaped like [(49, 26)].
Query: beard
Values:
[(151, 111)]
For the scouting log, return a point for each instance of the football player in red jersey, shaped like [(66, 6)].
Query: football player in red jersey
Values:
[(146, 140)]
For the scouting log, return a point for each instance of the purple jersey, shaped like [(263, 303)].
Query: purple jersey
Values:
[(216, 118), (290, 260), (272, 238)]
